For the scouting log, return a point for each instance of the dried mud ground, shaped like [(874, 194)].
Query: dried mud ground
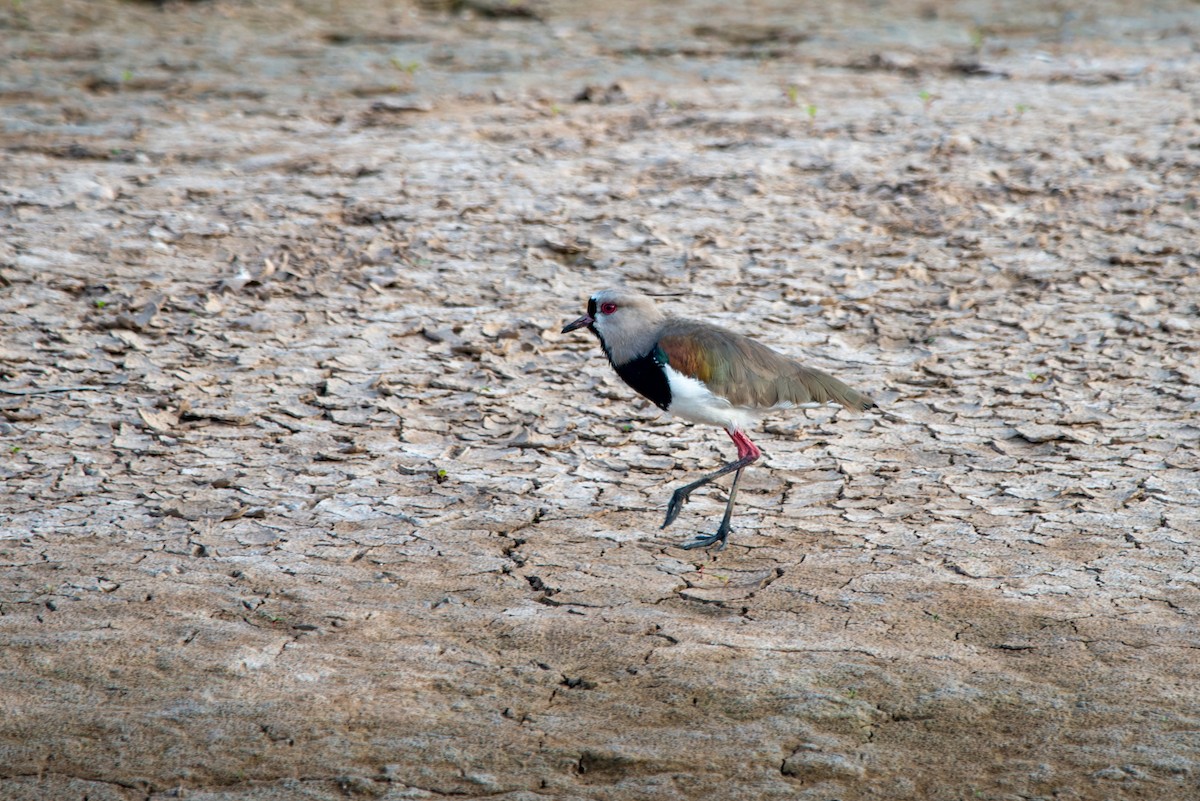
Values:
[(305, 495)]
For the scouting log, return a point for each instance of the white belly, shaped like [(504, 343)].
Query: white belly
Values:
[(693, 401)]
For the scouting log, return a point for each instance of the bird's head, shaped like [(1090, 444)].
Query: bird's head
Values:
[(626, 322)]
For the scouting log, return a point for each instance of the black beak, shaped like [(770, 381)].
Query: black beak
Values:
[(586, 319)]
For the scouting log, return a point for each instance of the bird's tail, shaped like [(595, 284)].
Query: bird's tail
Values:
[(807, 385)]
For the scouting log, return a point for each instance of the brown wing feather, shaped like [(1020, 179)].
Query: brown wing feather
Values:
[(748, 373)]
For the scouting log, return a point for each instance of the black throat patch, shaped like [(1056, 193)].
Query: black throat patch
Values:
[(647, 376)]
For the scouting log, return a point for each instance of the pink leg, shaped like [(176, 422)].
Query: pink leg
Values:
[(748, 452), (746, 448)]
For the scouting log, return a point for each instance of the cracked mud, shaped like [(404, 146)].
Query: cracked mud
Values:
[(305, 496)]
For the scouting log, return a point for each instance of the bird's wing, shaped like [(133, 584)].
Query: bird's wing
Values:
[(746, 372)]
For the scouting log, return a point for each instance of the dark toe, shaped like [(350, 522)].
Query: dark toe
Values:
[(674, 508), (703, 541)]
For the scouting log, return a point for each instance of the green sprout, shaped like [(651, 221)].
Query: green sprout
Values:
[(724, 579), (15, 449), (793, 93), (100, 304), (409, 67), (21, 15)]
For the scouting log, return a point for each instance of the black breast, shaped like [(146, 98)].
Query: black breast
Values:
[(646, 375)]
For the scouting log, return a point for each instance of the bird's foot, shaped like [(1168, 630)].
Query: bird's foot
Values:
[(678, 499), (706, 541)]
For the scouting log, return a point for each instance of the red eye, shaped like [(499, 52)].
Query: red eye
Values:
[(608, 308)]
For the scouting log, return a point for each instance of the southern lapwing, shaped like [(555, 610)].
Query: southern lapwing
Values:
[(704, 374)]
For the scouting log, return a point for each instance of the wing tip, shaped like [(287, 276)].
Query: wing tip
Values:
[(861, 403)]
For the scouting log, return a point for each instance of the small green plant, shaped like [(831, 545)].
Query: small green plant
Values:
[(441, 475), (1037, 378), (100, 304), (20, 15), (977, 39), (852, 693), (15, 449), (724, 579), (793, 93), (812, 112), (627, 427), (409, 67), (126, 76), (927, 98)]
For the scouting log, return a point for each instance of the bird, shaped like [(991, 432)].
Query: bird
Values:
[(704, 374)]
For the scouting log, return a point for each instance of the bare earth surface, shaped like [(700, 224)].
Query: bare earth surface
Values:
[(305, 497)]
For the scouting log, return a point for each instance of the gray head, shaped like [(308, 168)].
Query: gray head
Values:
[(626, 322)]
